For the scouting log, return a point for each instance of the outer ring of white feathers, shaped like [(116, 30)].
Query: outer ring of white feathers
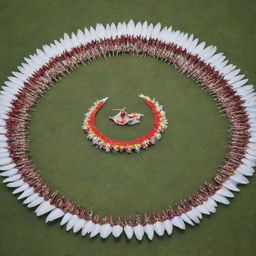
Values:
[(207, 54)]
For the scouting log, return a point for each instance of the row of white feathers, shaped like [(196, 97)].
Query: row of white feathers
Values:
[(207, 54)]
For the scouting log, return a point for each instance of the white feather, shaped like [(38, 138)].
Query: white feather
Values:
[(238, 178), (128, 231), (168, 226), (79, 225), (203, 209), (231, 185), (21, 188), (95, 230), (220, 199), (31, 198), (26, 193), (87, 228), (186, 219), (16, 183), (139, 231), (117, 230), (55, 214), (159, 228), (193, 216), (66, 218), (178, 222), (44, 207), (36, 202), (71, 222), (7, 167), (224, 192), (105, 230), (12, 178), (149, 230)]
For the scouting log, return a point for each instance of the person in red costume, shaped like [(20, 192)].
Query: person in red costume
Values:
[(122, 118)]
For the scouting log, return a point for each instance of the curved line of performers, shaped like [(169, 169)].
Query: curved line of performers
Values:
[(211, 81)]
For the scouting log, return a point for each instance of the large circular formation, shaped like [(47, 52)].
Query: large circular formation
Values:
[(210, 70)]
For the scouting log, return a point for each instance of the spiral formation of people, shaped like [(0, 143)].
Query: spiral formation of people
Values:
[(210, 70)]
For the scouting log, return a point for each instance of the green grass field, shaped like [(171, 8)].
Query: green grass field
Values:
[(189, 152)]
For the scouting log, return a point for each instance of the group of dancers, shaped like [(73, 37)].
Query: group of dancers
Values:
[(143, 142), (209, 70)]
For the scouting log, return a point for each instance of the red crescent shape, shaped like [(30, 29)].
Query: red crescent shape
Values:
[(159, 125)]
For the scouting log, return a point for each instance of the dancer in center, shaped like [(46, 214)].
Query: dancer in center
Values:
[(123, 118)]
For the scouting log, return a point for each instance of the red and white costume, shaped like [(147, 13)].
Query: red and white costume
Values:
[(122, 118)]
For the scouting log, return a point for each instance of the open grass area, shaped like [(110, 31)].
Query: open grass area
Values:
[(189, 152)]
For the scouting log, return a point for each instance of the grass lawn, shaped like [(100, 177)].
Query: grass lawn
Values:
[(189, 152)]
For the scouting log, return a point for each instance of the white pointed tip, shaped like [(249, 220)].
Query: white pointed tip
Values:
[(104, 99)]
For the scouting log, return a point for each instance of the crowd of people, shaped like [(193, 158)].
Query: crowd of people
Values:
[(219, 79)]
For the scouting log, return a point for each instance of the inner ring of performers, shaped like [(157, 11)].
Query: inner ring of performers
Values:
[(109, 145)]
